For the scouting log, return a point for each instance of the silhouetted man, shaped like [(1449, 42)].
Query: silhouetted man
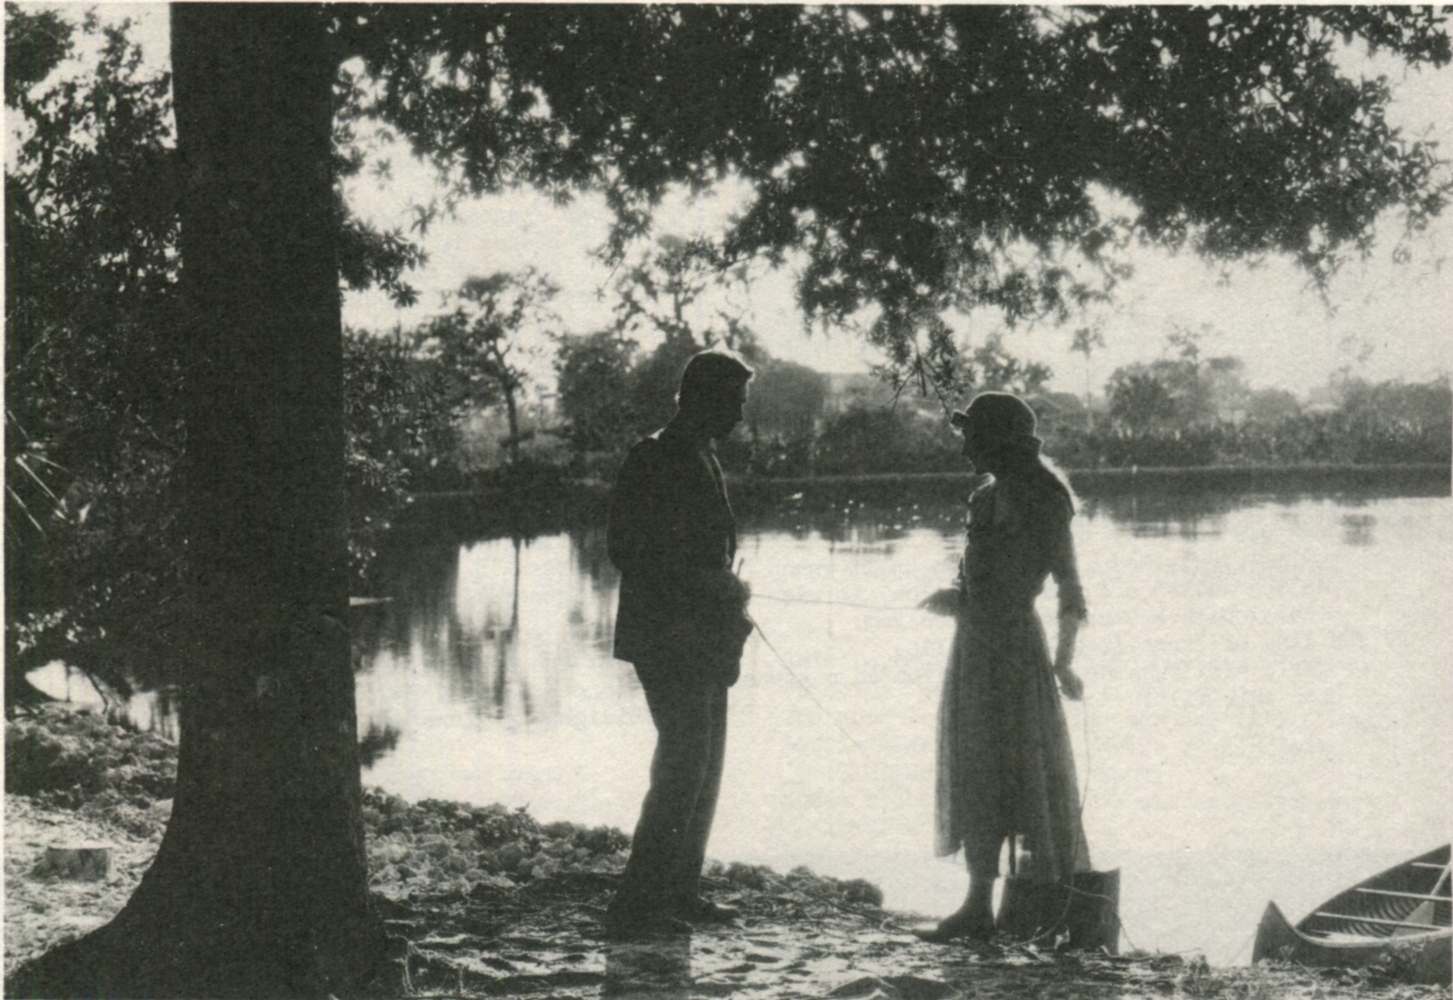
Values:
[(682, 622)]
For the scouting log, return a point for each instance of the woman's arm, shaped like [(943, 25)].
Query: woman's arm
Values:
[(1072, 614), (1069, 682)]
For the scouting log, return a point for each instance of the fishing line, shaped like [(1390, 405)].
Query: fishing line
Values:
[(1119, 923), (1084, 799), (1085, 738), (807, 690), (1084, 707), (849, 604), (841, 604), (1071, 890), (1248, 940)]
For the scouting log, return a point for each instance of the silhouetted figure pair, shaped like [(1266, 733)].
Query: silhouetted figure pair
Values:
[(1005, 769)]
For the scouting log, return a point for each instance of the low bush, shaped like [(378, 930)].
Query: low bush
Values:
[(70, 756)]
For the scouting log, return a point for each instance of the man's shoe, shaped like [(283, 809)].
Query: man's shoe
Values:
[(704, 911), (957, 927), (636, 925)]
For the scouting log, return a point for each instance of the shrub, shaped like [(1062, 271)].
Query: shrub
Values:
[(71, 755)]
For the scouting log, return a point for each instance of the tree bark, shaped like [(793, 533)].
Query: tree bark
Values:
[(260, 885), (513, 413)]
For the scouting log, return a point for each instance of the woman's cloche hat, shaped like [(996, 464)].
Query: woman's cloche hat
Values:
[(999, 416)]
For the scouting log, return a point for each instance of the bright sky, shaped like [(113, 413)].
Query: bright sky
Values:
[(1383, 320)]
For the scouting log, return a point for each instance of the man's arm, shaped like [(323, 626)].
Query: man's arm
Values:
[(633, 512)]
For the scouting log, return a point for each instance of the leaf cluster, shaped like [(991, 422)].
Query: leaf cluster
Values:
[(94, 430), (495, 324), (399, 417), (593, 383), (927, 157), (92, 423), (663, 292)]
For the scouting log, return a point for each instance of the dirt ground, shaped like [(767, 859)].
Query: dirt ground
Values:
[(484, 902), (534, 930)]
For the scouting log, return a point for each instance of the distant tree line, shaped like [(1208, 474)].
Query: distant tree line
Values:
[(1371, 424), (1184, 411), (1189, 411)]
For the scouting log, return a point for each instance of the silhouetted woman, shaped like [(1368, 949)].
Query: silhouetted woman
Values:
[(1005, 767)]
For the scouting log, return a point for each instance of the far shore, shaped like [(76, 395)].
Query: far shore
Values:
[(554, 502), (1088, 481)]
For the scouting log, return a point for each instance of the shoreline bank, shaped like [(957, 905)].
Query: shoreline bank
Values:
[(484, 901)]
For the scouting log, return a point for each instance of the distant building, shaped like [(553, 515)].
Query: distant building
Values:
[(1057, 409), (846, 390)]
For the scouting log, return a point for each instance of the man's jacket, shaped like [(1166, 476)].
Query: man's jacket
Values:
[(671, 535)]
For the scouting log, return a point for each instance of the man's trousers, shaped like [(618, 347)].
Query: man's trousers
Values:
[(669, 845)]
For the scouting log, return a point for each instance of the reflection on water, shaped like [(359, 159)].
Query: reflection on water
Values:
[(149, 711), (660, 968), (1266, 709), (1357, 528), (375, 741), (481, 616)]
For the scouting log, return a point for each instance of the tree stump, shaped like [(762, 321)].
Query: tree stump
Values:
[(1087, 907), (84, 861)]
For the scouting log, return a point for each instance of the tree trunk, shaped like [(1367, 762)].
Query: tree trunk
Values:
[(260, 886), (513, 413)]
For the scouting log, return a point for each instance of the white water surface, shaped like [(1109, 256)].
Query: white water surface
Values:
[(1268, 697)]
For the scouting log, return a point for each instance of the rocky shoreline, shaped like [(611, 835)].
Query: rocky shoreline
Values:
[(484, 901)]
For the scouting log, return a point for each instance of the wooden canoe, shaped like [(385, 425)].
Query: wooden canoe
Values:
[(1397, 920)]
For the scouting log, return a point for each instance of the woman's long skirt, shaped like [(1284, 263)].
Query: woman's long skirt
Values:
[(1005, 764)]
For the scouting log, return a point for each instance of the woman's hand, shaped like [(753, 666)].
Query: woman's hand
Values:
[(1070, 684), (942, 602)]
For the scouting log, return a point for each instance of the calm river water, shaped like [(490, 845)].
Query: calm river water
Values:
[(1266, 715)]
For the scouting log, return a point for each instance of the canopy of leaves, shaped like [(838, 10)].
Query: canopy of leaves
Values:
[(34, 45), (663, 292), (92, 424), (932, 156)]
